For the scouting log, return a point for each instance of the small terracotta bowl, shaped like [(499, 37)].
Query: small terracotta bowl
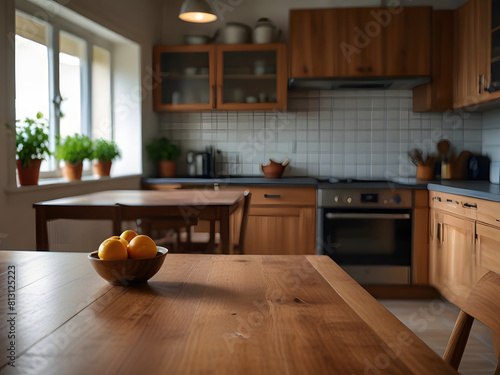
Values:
[(273, 169), (128, 271)]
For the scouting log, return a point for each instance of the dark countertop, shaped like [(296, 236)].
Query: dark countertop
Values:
[(473, 189), (244, 180)]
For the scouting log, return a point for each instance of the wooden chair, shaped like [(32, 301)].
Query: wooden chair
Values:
[(482, 304), (149, 221), (207, 242)]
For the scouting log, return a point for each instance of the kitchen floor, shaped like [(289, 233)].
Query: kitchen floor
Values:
[(433, 321)]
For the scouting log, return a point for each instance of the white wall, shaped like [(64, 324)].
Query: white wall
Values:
[(139, 21)]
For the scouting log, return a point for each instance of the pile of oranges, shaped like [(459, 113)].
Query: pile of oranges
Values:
[(128, 245)]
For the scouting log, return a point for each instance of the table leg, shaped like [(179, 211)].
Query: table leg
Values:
[(42, 237), (224, 231)]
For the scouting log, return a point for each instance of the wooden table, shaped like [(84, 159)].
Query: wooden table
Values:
[(204, 314), (200, 203)]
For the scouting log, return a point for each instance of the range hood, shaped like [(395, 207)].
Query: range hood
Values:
[(381, 83)]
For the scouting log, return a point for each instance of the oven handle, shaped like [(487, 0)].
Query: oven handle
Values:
[(331, 215)]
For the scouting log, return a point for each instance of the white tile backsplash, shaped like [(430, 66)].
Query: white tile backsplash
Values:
[(353, 133)]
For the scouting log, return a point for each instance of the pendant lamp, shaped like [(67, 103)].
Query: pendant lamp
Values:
[(197, 11)]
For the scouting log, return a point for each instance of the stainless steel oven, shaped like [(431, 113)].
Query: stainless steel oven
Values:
[(368, 232)]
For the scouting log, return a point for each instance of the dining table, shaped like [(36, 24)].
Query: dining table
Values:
[(200, 314), (181, 204)]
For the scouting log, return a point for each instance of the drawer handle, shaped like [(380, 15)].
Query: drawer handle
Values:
[(468, 205), (272, 196)]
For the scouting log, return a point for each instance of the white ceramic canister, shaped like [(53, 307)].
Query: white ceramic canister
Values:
[(236, 33), (264, 31)]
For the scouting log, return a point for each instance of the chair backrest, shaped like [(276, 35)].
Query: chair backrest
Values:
[(482, 304), (125, 212), (244, 220)]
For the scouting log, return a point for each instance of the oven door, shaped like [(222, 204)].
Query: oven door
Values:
[(368, 237)]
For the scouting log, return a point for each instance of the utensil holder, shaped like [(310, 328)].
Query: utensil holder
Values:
[(425, 172)]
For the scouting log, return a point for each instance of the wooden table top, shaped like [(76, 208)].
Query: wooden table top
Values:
[(224, 314), (181, 197)]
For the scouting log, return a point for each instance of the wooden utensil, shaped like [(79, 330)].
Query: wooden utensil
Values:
[(444, 147)]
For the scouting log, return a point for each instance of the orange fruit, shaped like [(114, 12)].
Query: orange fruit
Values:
[(112, 249), (128, 235), (141, 247), (124, 242)]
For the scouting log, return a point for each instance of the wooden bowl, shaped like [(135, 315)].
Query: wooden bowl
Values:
[(128, 271)]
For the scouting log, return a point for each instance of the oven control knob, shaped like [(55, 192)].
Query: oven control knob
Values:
[(396, 199), (336, 199), (349, 200)]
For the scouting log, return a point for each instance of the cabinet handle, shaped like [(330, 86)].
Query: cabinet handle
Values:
[(438, 232), (272, 196), (481, 76), (468, 205), (214, 96)]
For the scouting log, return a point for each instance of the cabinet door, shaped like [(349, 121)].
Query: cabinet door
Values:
[(281, 231), (460, 264), (407, 41), (184, 78), (488, 249), (472, 40), (314, 41), (360, 44), (251, 76)]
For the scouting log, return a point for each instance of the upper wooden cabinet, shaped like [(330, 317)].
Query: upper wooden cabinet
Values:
[(477, 53), (227, 77), (438, 94), (360, 42)]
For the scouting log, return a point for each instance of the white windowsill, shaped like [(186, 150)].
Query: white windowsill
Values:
[(51, 183)]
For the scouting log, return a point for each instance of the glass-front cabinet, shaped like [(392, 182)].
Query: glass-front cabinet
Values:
[(184, 78), (226, 77)]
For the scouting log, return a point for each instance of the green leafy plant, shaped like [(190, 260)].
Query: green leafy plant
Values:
[(104, 150), (32, 139), (73, 149), (162, 149)]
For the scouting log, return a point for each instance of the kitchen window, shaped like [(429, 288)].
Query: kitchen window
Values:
[(66, 72)]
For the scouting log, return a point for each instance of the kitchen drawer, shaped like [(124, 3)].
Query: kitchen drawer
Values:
[(289, 196), (488, 246), (455, 204), (488, 212)]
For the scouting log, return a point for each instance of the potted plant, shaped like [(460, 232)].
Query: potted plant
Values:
[(165, 154), (104, 152), (73, 150), (32, 146)]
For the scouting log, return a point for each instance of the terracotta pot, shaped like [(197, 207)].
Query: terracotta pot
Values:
[(166, 168), (102, 168), (28, 175), (73, 172)]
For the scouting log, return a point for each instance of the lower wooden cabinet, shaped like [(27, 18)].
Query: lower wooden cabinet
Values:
[(461, 248), (281, 231), (453, 258), (281, 221)]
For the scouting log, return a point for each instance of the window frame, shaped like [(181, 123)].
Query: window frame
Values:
[(55, 25)]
